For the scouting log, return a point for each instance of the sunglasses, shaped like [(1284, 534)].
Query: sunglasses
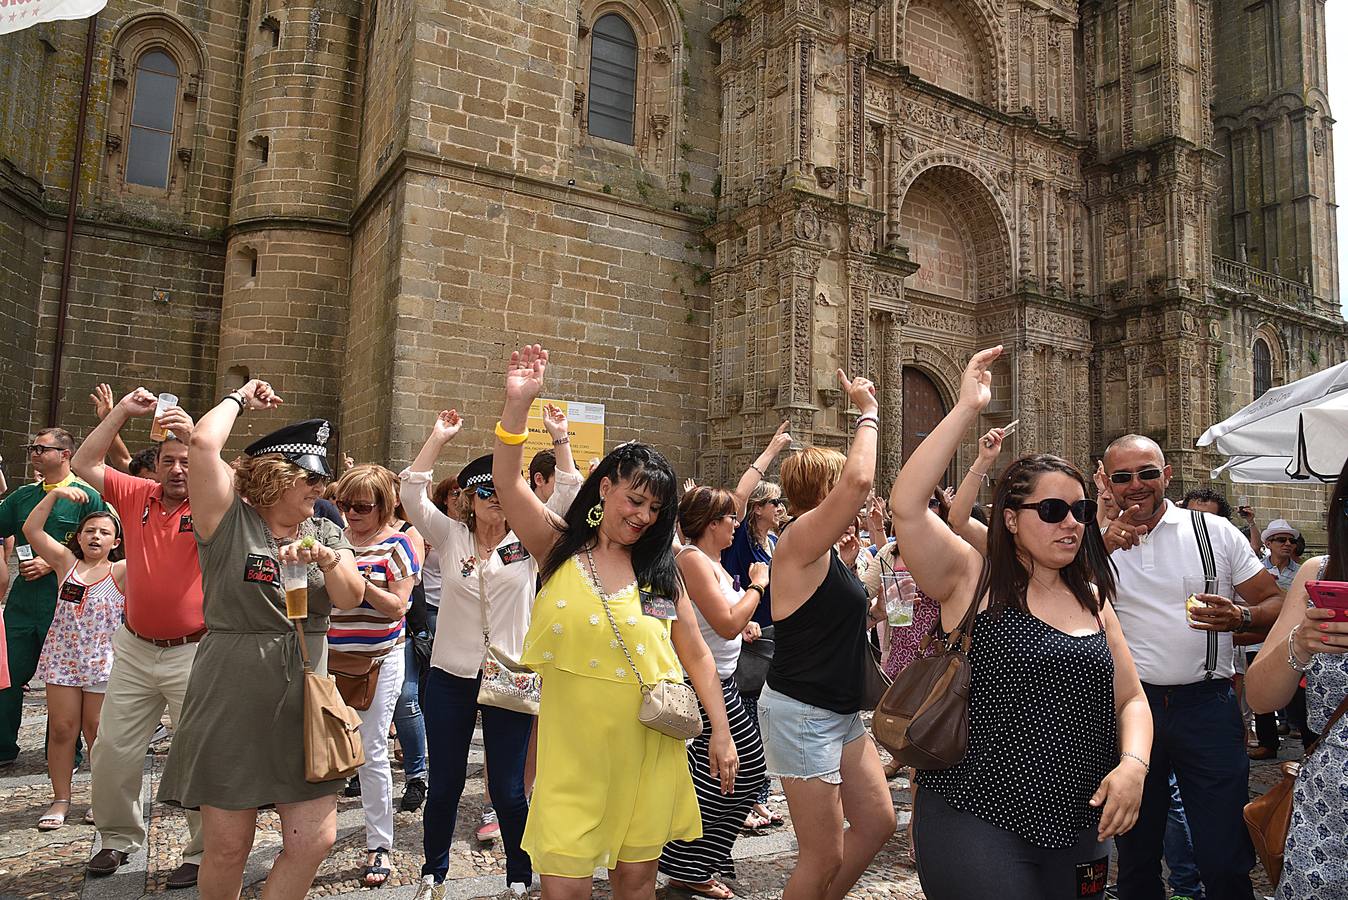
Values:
[(360, 509), (933, 503), (779, 503), (39, 449), (1281, 539), (1053, 510), (485, 491), (314, 480), (1150, 474)]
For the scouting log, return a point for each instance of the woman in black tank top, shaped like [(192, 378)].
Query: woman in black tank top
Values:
[(1059, 729), (809, 712)]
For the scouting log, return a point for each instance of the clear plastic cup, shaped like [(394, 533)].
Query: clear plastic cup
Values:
[(24, 552), (1194, 585), (899, 592), (295, 577), (166, 402)]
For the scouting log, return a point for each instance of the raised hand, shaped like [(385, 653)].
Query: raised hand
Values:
[(139, 402), (102, 399), (1122, 533), (176, 420), (524, 374), (976, 383), (258, 394), (447, 425), (860, 391), (990, 446), (554, 420), (688, 483), (71, 493), (781, 438)]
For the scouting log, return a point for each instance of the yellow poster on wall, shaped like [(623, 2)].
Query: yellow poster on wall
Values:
[(584, 425)]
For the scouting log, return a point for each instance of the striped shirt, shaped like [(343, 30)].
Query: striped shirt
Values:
[(364, 630)]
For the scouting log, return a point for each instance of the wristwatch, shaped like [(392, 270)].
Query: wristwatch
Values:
[(1246, 619)]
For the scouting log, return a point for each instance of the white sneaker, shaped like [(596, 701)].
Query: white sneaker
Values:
[(519, 889), (427, 889)]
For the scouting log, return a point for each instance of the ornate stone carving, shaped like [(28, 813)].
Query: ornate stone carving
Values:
[(661, 56), (826, 176), (1318, 141), (862, 238), (659, 125), (949, 126), (828, 82), (807, 224)]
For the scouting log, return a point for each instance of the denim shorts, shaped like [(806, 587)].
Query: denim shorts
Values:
[(804, 741)]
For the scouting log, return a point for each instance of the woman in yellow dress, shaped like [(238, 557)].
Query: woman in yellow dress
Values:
[(610, 792)]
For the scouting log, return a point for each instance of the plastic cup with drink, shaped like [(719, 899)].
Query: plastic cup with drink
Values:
[(899, 592), (24, 552), (295, 576), (1197, 585), (166, 402)]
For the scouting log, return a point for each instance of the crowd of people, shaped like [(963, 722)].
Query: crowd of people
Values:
[(645, 656)]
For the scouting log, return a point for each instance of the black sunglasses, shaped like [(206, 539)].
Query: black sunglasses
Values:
[(360, 509), (1053, 510), (313, 480), (779, 503), (485, 491), (1150, 474)]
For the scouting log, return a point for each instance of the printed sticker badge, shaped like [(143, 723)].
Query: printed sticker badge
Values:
[(185, 523), (261, 569), (658, 607), (72, 592), (1091, 877), (512, 553)]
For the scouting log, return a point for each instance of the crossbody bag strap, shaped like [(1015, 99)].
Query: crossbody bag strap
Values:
[(304, 650), (482, 607), (599, 590), (1204, 540)]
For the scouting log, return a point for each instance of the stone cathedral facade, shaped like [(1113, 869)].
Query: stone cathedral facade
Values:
[(703, 207)]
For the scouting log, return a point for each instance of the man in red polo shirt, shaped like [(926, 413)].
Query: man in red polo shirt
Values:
[(153, 651)]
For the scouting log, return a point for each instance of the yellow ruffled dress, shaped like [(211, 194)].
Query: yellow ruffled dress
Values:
[(608, 788)]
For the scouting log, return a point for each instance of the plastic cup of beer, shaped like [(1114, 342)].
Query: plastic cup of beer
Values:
[(166, 402), (1198, 584), (295, 576), (24, 552), (899, 592)]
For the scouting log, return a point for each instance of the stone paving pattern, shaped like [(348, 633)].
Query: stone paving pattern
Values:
[(36, 864)]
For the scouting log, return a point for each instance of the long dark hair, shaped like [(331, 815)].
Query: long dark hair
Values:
[(641, 466), (1007, 578), (116, 554), (1338, 529)]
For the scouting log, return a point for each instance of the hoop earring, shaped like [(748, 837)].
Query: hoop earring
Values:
[(595, 514)]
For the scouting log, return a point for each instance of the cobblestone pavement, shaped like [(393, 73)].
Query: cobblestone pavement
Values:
[(36, 864)]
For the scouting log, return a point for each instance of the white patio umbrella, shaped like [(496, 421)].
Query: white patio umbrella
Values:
[(1295, 432)]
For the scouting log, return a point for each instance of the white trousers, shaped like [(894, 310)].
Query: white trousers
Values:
[(376, 776)]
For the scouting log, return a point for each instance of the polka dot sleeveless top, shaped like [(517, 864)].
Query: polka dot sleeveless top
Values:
[(1041, 730)]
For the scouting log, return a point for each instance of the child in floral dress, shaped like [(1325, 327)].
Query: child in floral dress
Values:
[(76, 659)]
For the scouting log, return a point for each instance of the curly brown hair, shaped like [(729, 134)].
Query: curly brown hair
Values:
[(261, 480)]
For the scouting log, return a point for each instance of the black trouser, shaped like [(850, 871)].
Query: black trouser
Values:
[(963, 857), (1265, 724)]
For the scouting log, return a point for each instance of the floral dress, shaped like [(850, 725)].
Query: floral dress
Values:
[(1316, 860), (78, 649)]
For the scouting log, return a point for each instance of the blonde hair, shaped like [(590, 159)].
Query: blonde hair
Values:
[(808, 476), (261, 480), (379, 481)]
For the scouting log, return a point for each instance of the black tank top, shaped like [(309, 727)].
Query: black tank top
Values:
[(820, 646), (1041, 729)]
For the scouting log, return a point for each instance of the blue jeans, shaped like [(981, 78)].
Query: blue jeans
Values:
[(451, 712), (1199, 734), (1179, 848), (408, 722)]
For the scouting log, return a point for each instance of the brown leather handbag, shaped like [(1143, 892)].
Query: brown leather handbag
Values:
[(357, 676), (923, 719), (332, 747), (1269, 817)]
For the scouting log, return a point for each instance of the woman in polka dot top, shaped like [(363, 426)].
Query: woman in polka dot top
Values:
[(1059, 729)]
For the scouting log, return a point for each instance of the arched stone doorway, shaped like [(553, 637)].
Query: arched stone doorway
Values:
[(923, 408)]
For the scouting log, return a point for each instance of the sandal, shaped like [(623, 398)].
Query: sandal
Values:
[(767, 812), (51, 821), (712, 888), (377, 871), (753, 822)]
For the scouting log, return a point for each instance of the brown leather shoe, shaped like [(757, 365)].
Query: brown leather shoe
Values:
[(1262, 753), (105, 862), (185, 876)]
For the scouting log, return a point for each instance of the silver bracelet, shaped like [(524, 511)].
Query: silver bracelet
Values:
[(761, 473), (1146, 765), (559, 442), (982, 475), (1293, 662), (868, 417)]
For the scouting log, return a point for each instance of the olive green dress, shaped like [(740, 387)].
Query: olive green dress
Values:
[(239, 743)]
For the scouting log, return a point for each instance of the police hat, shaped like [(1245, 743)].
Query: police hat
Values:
[(304, 443), (476, 473)]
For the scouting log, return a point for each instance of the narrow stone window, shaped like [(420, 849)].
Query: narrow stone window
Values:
[(613, 80), (1263, 368), (153, 114), (261, 148)]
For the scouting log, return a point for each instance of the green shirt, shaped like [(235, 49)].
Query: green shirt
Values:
[(33, 603)]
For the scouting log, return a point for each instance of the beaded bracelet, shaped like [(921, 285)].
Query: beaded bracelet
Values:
[(1146, 765), (1293, 662)]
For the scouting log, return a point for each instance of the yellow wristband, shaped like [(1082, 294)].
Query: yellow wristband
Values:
[(510, 438)]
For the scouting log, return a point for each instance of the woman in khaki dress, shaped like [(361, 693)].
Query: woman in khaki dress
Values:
[(239, 744)]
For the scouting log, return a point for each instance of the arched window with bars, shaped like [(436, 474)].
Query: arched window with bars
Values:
[(1263, 367), (613, 80)]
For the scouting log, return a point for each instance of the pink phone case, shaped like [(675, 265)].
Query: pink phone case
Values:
[(1330, 595)]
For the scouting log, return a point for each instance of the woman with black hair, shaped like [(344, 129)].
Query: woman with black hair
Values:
[(1059, 729), (76, 659), (1310, 641), (611, 613)]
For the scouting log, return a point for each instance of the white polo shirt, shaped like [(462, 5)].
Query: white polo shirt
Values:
[(1150, 602)]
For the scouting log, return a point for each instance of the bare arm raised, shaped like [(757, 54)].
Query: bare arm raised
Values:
[(90, 460), (944, 565), (210, 480), (757, 471), (961, 522), (533, 523)]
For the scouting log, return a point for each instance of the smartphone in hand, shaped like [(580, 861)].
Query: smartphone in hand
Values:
[(1330, 595)]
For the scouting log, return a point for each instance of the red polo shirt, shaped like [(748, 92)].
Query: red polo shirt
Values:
[(163, 574)]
